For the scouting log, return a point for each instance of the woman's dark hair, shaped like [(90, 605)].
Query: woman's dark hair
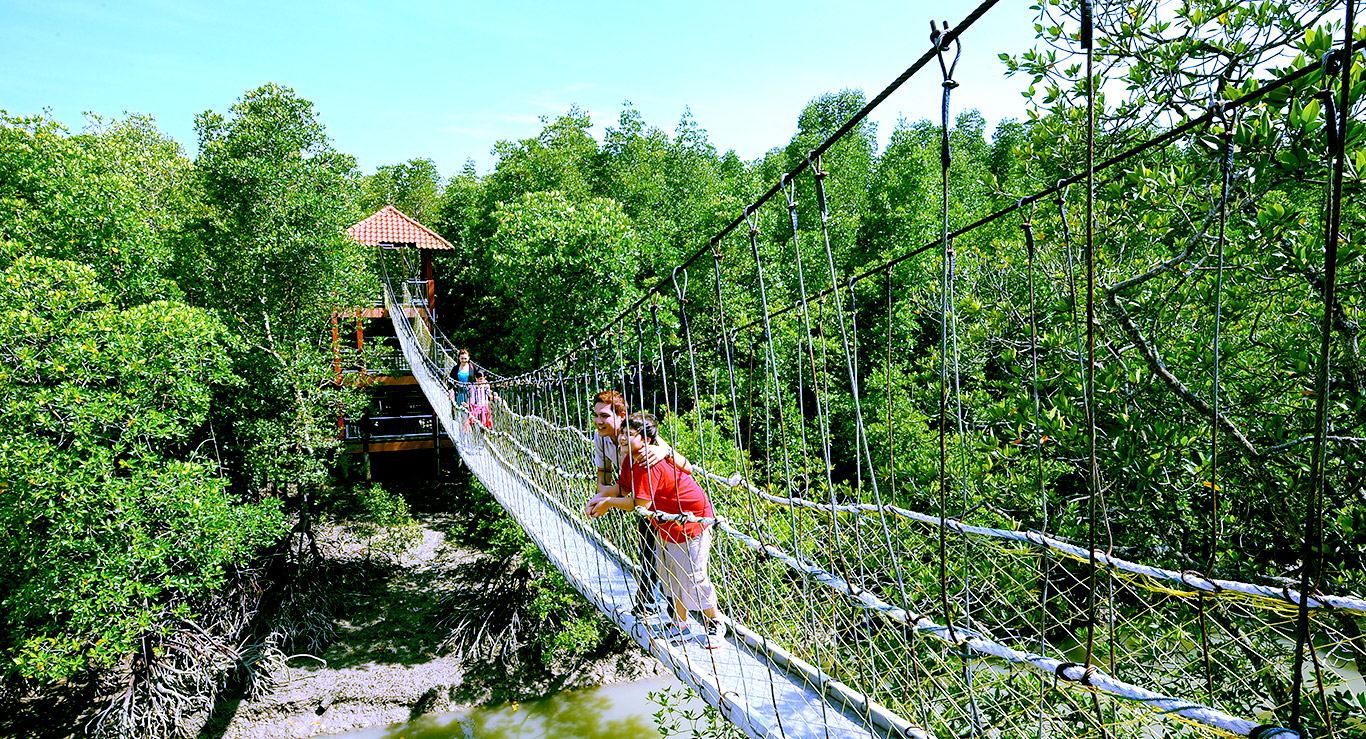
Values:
[(643, 424)]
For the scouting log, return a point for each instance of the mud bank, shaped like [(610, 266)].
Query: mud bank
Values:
[(388, 660)]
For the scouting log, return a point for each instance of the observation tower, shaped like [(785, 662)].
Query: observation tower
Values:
[(367, 353)]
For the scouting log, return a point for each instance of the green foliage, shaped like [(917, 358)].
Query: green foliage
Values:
[(680, 716), (114, 520), (1348, 713), (106, 200), (383, 507), (599, 208), (674, 190), (130, 408), (1174, 58), (271, 259), (413, 187), (575, 254), (128, 412), (528, 617), (1004, 360), (385, 520)]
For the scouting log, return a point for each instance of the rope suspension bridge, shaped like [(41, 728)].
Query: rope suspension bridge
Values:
[(864, 602)]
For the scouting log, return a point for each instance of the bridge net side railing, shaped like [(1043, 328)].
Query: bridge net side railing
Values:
[(541, 473)]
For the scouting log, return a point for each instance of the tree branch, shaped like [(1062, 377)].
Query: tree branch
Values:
[(1158, 368)]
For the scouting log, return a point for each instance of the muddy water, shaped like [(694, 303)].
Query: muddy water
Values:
[(620, 711)]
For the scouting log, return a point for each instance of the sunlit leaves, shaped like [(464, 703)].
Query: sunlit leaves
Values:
[(271, 258), (566, 264), (110, 515)]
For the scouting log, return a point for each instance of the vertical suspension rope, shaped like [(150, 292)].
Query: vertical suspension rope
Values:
[(1036, 440), (851, 350), (564, 395), (821, 411), (805, 349), (1312, 557), (946, 270), (948, 346), (1216, 523), (773, 375), (1089, 376), (663, 370), (861, 449), (945, 278), (640, 404), (887, 372), (726, 340)]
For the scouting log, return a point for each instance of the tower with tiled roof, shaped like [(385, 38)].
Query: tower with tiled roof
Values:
[(391, 227), (399, 418)]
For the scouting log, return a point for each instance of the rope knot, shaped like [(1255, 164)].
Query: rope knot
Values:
[(1331, 59), (1213, 586), (1087, 672), (937, 37), (815, 161)]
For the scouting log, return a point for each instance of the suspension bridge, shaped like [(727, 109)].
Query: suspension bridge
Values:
[(854, 613)]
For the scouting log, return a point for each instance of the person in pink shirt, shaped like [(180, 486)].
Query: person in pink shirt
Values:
[(481, 395)]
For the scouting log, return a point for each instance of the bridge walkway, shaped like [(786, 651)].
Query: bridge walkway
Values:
[(744, 679), (758, 686)]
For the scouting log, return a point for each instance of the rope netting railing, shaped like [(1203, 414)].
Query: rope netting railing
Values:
[(984, 486), (409, 298)]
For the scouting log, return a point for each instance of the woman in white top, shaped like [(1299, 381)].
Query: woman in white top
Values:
[(609, 413)]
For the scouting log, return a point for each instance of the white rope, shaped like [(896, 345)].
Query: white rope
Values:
[(971, 640)]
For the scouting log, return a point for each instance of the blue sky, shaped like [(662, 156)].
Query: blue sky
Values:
[(446, 80)]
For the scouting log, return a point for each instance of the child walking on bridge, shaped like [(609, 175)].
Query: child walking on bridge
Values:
[(481, 395)]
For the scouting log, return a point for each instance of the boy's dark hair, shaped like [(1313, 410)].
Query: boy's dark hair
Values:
[(644, 424)]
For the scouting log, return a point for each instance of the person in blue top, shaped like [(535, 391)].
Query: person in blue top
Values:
[(462, 374)]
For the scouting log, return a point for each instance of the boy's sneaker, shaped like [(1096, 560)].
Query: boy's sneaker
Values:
[(647, 604), (647, 611), (676, 633), (715, 632)]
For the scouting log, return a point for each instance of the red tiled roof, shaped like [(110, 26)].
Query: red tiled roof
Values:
[(390, 226)]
